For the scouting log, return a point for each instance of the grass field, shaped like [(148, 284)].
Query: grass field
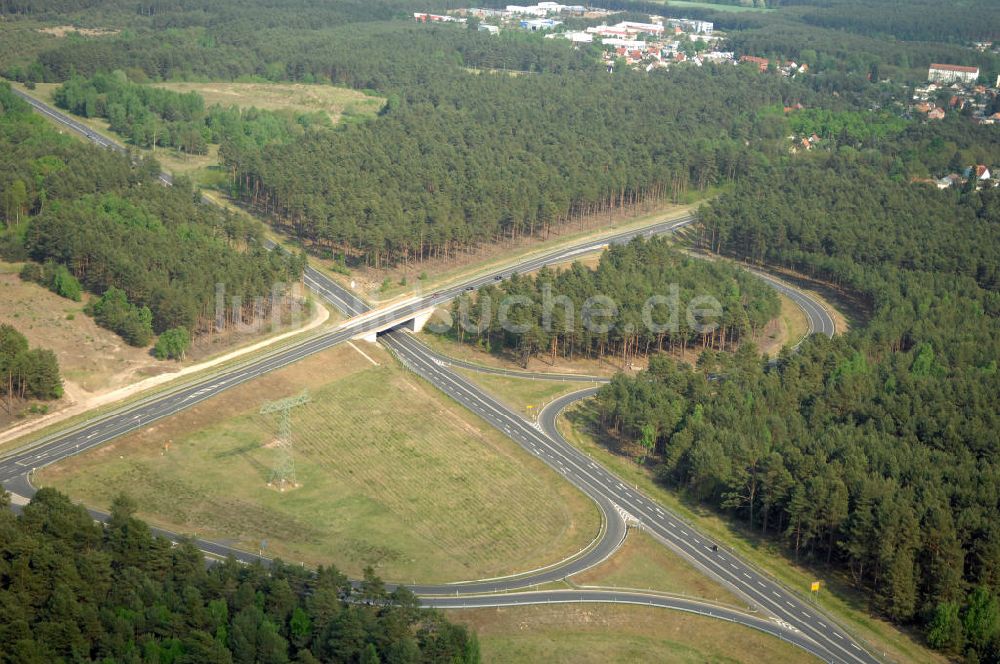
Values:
[(393, 474), (644, 563), (524, 396), (602, 634), (839, 600), (338, 103)]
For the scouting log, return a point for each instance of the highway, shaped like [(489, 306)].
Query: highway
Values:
[(544, 441), (600, 484), (103, 429), (79, 127), (595, 596), (796, 619)]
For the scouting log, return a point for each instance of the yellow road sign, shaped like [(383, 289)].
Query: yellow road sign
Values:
[(815, 587)]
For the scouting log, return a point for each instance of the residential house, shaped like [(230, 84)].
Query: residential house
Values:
[(982, 173), (761, 63), (952, 180)]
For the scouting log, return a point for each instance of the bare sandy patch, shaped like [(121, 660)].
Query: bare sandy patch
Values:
[(63, 30), (98, 367)]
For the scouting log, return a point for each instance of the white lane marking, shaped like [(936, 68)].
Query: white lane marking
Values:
[(838, 636)]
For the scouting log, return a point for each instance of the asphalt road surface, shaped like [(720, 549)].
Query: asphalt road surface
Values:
[(544, 441), (550, 597), (79, 127), (794, 619)]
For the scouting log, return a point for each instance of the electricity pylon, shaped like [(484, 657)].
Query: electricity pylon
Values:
[(283, 474)]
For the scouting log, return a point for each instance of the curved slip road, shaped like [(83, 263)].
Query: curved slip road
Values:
[(622, 597), (579, 469), (818, 634), (792, 615)]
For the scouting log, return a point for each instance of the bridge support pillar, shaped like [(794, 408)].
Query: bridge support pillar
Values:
[(419, 321), (370, 337)]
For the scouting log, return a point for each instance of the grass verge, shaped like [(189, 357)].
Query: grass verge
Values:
[(393, 474), (643, 563), (602, 634), (788, 329), (525, 396)]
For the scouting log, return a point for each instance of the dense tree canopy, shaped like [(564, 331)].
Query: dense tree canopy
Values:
[(106, 220), (522, 154), (876, 451), (75, 591), (26, 373), (637, 301)]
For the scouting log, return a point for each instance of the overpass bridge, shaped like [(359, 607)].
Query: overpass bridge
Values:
[(413, 321)]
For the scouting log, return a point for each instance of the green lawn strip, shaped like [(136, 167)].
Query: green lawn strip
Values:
[(600, 633), (796, 323), (644, 563), (525, 396), (392, 473)]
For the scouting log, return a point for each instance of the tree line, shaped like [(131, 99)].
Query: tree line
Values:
[(75, 590), (523, 155), (148, 116), (26, 373), (875, 452), (104, 218), (842, 58), (646, 288), (914, 20)]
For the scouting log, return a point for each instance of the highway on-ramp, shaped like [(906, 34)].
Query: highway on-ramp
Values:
[(544, 441), (790, 614), (598, 596)]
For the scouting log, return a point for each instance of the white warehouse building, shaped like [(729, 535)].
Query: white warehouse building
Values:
[(952, 73)]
